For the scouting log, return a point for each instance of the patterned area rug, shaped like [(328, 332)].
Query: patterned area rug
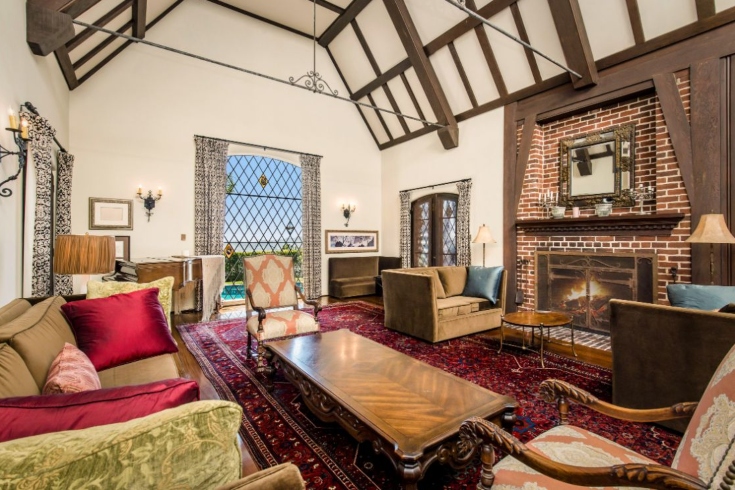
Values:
[(277, 427)]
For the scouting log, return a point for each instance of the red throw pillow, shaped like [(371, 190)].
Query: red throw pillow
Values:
[(71, 372), (121, 328), (32, 415)]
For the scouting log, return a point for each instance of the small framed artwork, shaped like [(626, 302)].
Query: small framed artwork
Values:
[(340, 241), (122, 247), (110, 214)]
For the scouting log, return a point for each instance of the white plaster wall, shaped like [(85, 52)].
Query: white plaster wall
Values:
[(134, 121), (23, 77), (424, 161)]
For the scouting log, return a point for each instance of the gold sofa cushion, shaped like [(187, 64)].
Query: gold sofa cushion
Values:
[(140, 372), (190, 446), (453, 279), (430, 271), (15, 378), (40, 334), (13, 310), (460, 305), (104, 289)]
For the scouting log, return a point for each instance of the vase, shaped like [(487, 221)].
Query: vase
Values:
[(558, 211)]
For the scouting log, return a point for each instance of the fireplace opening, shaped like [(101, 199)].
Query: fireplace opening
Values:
[(582, 284)]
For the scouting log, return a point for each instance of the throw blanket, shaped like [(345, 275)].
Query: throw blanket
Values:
[(213, 281)]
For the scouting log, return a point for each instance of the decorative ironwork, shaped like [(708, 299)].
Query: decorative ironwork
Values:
[(22, 155), (313, 80)]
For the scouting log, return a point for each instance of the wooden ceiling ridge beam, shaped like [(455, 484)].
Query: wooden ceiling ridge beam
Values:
[(407, 32), (574, 41), (101, 22), (342, 21)]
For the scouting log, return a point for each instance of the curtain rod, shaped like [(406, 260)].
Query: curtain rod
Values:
[(260, 146), (435, 185), (33, 109)]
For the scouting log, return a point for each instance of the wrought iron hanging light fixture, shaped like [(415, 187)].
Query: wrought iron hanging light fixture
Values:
[(312, 79)]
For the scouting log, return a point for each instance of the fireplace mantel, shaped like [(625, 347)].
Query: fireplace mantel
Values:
[(623, 225)]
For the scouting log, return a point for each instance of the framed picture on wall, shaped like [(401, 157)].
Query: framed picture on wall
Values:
[(341, 241), (110, 214), (122, 247)]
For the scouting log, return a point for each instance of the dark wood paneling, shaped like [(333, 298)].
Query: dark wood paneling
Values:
[(574, 42), (510, 240), (634, 14), (139, 18), (409, 36), (613, 97), (101, 22), (729, 168), (706, 79), (678, 125), (462, 74), (342, 21), (524, 150), (521, 27), (705, 8)]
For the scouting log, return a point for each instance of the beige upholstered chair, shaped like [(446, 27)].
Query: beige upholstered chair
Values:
[(269, 284), (567, 457)]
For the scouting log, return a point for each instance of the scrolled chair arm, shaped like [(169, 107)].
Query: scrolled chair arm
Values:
[(313, 303), (560, 392), (259, 309), (490, 435)]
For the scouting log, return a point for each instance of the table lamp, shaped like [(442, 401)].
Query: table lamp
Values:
[(84, 255), (711, 229), (484, 236)]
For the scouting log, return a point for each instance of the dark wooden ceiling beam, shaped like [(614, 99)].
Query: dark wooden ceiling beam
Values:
[(78, 7), (487, 51), (462, 74), (67, 69), (101, 22), (530, 56), (402, 21), (139, 18), (330, 6), (636, 24), (413, 98), (376, 69), (705, 8), (89, 55), (382, 79), (342, 21), (380, 117), (260, 18), (574, 41), (46, 29)]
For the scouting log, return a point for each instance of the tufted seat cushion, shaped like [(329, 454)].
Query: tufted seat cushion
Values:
[(565, 444), (282, 323)]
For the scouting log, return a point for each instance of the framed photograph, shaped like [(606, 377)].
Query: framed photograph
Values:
[(110, 214), (122, 247), (341, 241)]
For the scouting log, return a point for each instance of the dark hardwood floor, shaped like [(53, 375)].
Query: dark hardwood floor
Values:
[(190, 369)]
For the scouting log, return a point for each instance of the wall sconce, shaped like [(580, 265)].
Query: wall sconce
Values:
[(149, 202), (20, 135), (347, 210)]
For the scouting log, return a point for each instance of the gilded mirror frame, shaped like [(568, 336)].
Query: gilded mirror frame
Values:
[(623, 175)]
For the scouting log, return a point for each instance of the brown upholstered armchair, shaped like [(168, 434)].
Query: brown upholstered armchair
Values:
[(567, 457)]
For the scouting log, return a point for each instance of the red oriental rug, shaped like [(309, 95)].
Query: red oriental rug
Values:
[(277, 427)]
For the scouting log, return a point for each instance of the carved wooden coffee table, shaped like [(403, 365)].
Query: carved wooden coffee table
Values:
[(409, 410)]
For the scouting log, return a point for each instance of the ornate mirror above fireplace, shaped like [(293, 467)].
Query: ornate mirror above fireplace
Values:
[(598, 167)]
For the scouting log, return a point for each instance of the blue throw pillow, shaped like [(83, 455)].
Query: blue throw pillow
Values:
[(483, 282), (699, 296)]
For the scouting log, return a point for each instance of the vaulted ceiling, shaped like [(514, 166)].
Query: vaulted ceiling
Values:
[(426, 58)]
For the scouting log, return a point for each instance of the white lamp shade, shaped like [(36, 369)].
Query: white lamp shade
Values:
[(484, 235), (711, 229)]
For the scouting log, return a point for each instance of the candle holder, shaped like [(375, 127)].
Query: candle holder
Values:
[(149, 202), (640, 195), (546, 202), (22, 143)]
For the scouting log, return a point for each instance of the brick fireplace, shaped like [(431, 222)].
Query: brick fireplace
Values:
[(623, 233)]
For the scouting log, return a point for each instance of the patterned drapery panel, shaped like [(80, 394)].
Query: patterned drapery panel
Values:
[(210, 182), (405, 244), (64, 166), (41, 140), (464, 254), (311, 217)]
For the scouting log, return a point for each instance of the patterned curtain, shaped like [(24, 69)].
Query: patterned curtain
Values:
[(405, 229), (41, 140), (311, 212), (64, 166), (210, 182), (464, 254)]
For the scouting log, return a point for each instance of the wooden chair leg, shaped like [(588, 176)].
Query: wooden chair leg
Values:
[(249, 348)]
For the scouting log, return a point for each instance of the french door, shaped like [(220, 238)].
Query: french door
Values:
[(434, 230)]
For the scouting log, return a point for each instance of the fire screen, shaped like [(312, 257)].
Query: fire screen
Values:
[(581, 284)]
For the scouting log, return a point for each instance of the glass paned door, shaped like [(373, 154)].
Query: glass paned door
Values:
[(262, 215), (434, 230)]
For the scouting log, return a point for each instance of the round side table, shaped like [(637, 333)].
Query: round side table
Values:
[(534, 320)]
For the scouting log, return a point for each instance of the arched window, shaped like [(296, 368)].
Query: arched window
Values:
[(434, 230)]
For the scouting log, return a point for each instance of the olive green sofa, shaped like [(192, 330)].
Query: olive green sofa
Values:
[(427, 302)]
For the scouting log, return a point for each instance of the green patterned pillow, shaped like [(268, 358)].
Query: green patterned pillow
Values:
[(103, 289)]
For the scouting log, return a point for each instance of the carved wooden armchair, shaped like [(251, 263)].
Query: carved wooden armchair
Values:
[(269, 284), (567, 457)]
